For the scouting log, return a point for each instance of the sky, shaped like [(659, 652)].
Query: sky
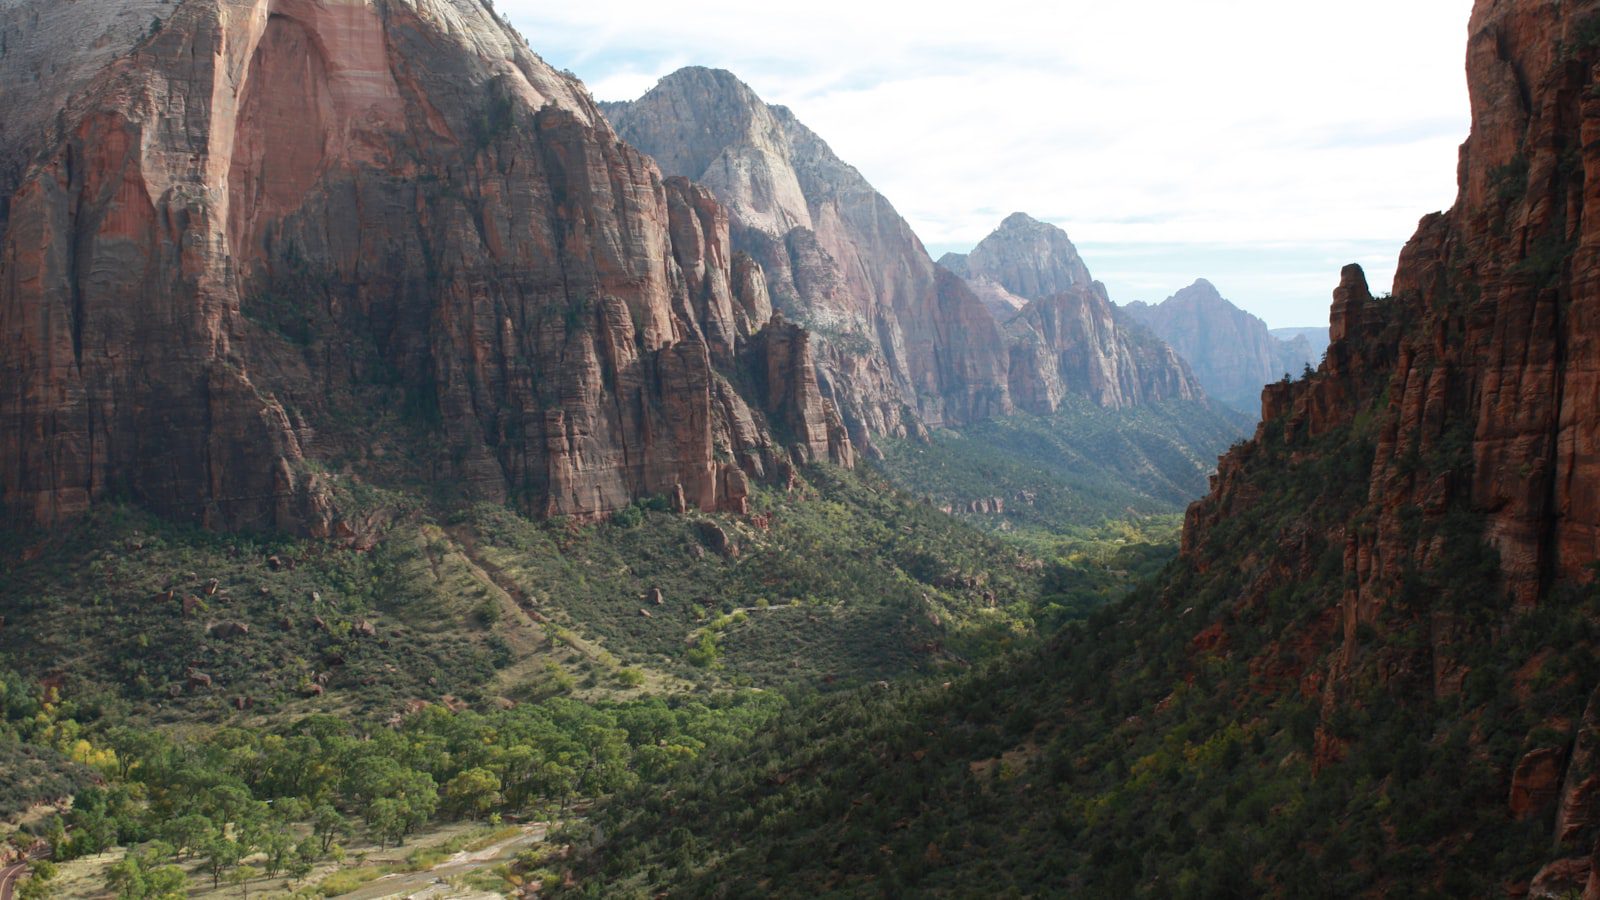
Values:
[(1260, 144)]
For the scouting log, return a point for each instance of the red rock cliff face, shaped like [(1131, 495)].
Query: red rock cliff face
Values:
[(273, 215), (1487, 351), (1478, 384)]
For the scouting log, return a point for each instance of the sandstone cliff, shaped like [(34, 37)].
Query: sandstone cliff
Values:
[(274, 242), (1231, 351), (901, 345), (1468, 407)]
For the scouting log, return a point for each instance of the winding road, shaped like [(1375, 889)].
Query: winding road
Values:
[(8, 879)]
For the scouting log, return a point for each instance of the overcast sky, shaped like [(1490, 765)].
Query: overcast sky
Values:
[(1261, 144)]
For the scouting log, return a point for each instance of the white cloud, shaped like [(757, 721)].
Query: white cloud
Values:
[(1166, 122)]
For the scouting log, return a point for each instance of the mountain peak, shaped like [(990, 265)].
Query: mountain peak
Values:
[(1029, 258), (705, 79), (1020, 220)]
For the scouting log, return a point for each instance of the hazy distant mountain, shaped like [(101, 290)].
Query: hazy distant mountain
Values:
[(1067, 336), (1026, 257), (1232, 352), (1316, 337)]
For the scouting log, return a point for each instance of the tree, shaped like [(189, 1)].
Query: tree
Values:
[(241, 876), (276, 844), (138, 876), (387, 818), (474, 792), (39, 886), (327, 825), (220, 854)]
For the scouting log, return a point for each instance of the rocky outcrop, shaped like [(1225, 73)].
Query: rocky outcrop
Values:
[(899, 346), (1231, 351), (276, 233)]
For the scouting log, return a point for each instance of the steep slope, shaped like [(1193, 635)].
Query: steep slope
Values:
[(1374, 669), (284, 237), (907, 345), (1230, 350)]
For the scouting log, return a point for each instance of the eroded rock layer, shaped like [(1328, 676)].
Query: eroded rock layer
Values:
[(269, 213)]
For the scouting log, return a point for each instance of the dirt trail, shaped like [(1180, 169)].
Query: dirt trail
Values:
[(435, 882)]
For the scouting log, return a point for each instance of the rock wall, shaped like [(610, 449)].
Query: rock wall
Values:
[(272, 211)]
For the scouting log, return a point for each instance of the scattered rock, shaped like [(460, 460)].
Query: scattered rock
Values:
[(646, 613), (313, 690), (192, 605), (198, 679), (228, 630), (712, 535), (365, 628), (656, 597), (211, 587)]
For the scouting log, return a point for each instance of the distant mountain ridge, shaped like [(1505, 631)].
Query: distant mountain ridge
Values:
[(1316, 336), (1232, 352), (1066, 335), (904, 343)]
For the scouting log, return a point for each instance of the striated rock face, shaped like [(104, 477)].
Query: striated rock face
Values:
[(1479, 386), (1230, 350), (1074, 343), (899, 345), (278, 226), (1066, 336)]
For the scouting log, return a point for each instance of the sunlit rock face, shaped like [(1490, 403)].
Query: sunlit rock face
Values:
[(900, 346), (263, 220)]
